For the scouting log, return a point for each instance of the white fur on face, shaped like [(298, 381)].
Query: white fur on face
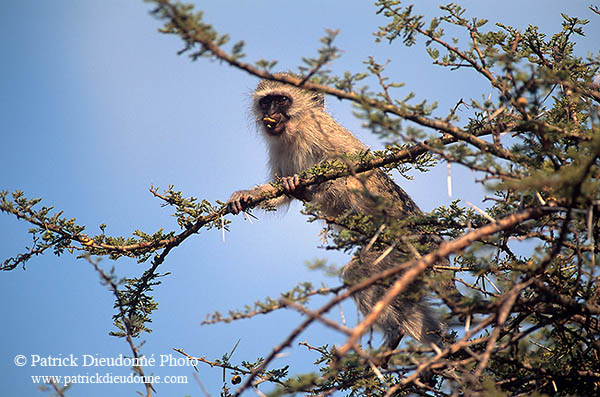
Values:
[(310, 136)]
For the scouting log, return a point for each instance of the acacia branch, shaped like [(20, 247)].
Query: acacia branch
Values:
[(480, 68), (501, 316), (268, 191), (125, 320), (225, 366), (267, 310), (411, 270), (418, 266), (316, 316), (196, 36)]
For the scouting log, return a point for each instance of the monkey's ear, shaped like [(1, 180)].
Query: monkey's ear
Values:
[(319, 99)]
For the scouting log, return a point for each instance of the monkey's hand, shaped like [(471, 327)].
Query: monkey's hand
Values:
[(239, 200), (291, 185)]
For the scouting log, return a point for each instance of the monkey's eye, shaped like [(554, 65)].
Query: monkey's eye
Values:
[(264, 102), (281, 102)]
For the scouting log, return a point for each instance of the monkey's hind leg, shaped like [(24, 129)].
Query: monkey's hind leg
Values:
[(406, 314)]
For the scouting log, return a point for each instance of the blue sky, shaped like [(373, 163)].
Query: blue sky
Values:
[(96, 107)]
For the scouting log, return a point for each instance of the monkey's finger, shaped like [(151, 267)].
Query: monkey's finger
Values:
[(240, 204), (296, 181), (243, 203), (286, 184), (236, 206)]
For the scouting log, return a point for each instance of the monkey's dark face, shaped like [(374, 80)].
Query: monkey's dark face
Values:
[(275, 110)]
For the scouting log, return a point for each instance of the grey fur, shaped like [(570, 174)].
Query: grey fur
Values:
[(311, 136)]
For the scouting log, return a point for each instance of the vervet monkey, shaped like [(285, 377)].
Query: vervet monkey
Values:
[(300, 134)]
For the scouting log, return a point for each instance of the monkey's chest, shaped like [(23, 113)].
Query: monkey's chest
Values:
[(293, 160)]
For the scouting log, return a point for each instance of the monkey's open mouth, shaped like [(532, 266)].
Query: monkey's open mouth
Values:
[(274, 123)]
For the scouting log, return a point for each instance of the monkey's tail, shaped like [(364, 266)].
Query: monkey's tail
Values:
[(408, 313)]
